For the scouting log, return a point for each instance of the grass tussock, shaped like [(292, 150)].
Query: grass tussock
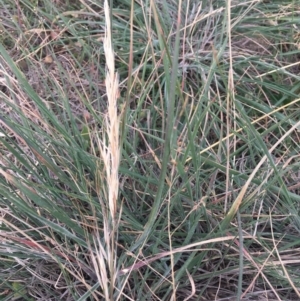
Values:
[(149, 150)]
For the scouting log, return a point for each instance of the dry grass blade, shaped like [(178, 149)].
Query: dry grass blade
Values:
[(235, 206), (286, 273), (245, 127), (188, 248), (193, 292)]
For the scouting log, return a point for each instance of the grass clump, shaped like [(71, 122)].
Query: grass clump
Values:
[(149, 150)]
